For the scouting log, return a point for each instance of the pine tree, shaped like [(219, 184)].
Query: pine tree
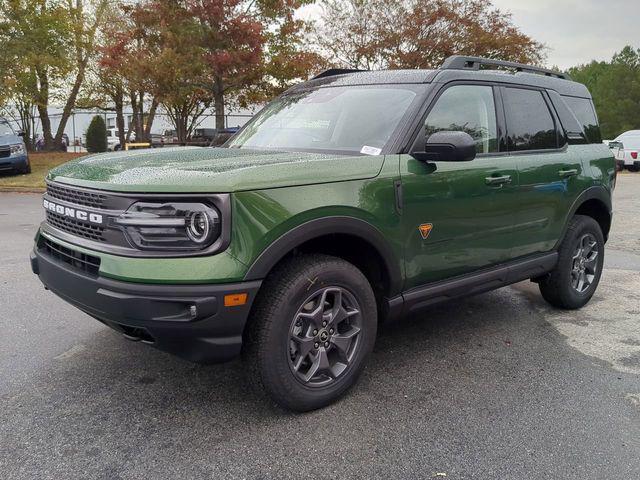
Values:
[(97, 135)]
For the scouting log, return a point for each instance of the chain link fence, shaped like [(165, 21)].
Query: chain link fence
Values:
[(162, 132)]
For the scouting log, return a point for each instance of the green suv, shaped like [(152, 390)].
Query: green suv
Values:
[(354, 198)]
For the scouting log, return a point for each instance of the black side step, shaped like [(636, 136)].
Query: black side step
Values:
[(470, 284)]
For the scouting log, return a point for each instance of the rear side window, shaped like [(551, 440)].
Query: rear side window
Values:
[(628, 142), (583, 110), (530, 125)]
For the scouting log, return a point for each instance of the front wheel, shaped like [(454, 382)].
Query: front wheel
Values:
[(574, 280), (311, 332)]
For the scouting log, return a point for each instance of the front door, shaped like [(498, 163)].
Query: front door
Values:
[(466, 209)]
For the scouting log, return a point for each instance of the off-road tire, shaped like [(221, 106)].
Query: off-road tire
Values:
[(266, 346), (556, 287)]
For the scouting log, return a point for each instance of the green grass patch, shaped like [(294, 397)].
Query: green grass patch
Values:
[(41, 163)]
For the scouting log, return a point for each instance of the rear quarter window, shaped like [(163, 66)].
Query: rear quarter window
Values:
[(585, 113)]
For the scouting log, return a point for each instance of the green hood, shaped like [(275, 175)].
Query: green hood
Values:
[(215, 170)]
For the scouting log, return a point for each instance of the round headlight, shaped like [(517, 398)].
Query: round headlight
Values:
[(199, 227), (171, 226)]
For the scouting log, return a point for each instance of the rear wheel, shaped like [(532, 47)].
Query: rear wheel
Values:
[(574, 280), (312, 329)]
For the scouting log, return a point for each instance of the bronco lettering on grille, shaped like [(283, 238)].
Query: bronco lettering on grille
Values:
[(81, 215)]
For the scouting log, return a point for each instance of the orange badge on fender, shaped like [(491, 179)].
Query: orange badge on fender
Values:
[(425, 230)]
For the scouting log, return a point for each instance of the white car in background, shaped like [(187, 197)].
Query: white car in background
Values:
[(113, 140), (626, 148)]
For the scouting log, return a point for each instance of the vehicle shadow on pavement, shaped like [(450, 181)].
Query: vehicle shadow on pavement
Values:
[(448, 342), (459, 370)]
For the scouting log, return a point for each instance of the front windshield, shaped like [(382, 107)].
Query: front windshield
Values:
[(5, 129), (358, 119)]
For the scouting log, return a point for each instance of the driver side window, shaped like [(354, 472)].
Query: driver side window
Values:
[(466, 108)]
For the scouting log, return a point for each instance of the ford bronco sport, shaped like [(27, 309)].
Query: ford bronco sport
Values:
[(353, 198)]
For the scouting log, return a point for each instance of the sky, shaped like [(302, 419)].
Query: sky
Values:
[(577, 31), (574, 31)]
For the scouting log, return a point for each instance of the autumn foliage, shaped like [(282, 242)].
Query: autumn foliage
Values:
[(189, 54), (375, 34), (182, 57)]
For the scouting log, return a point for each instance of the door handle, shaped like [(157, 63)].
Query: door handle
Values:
[(501, 180), (568, 173)]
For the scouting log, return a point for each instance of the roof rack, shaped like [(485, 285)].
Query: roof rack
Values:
[(460, 62), (337, 71)]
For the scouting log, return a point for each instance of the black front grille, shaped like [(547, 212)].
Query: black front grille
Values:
[(76, 227), (80, 261), (79, 197), (4, 153)]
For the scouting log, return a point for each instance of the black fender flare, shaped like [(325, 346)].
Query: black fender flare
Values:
[(312, 229), (596, 192)]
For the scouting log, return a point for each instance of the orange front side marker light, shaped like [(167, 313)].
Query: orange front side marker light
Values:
[(425, 230), (235, 299)]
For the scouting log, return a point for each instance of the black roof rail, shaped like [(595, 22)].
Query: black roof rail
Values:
[(337, 71), (460, 62)]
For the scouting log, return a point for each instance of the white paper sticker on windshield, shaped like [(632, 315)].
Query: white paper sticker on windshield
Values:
[(367, 150)]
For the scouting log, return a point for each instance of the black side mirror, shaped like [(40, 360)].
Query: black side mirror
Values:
[(21, 133), (447, 147)]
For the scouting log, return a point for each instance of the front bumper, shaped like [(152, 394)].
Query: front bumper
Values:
[(15, 162), (190, 321)]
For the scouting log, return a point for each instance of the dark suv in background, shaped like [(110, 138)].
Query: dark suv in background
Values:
[(353, 198), (13, 152)]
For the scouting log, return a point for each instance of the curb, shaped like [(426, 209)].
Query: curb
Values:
[(22, 190)]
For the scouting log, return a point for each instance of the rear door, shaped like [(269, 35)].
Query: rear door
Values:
[(549, 172), (466, 209)]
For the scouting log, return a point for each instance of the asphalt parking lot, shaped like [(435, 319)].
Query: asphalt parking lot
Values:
[(498, 386)]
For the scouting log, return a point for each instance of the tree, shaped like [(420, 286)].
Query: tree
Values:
[(185, 55), (375, 34), (85, 21), (108, 93), (21, 107), (35, 37), (110, 85), (235, 35), (615, 87), (288, 59), (97, 135), (51, 43), (24, 114), (140, 60), (6, 67), (170, 62)]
